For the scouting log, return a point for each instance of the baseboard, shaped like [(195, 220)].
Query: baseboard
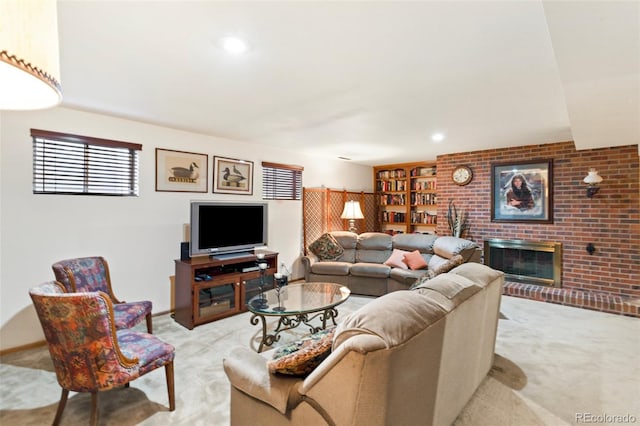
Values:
[(23, 347), (44, 342)]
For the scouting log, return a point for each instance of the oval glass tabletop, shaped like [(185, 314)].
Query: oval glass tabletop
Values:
[(301, 298)]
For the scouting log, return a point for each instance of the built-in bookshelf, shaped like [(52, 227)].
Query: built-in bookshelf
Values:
[(406, 196)]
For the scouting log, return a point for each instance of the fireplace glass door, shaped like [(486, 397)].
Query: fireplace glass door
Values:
[(530, 262)]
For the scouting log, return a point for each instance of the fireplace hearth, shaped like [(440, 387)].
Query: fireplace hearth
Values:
[(529, 262)]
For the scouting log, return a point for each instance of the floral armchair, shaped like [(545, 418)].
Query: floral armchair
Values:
[(92, 274), (88, 353)]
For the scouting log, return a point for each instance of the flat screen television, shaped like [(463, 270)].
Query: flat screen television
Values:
[(227, 229)]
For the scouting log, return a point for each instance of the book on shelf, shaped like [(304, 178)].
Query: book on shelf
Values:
[(424, 171), (423, 185), (423, 218), (422, 199), (391, 185), (392, 199), (393, 217), (392, 174)]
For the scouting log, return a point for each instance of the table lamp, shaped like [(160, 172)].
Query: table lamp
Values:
[(352, 212)]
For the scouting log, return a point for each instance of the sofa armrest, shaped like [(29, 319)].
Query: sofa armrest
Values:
[(447, 247), (476, 257), (360, 343), (247, 371), (307, 263)]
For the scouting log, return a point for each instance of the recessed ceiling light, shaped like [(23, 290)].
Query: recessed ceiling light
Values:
[(234, 45), (437, 137)]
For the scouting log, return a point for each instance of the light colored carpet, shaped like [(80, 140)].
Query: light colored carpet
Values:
[(552, 363)]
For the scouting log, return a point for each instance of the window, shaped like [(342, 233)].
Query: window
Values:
[(81, 165), (281, 181)]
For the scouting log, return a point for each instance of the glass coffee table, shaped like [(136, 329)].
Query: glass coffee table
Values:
[(296, 304)]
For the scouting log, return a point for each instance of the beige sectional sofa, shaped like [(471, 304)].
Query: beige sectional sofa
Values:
[(407, 358), (361, 266)]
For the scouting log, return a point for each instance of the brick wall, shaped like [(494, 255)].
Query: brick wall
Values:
[(610, 220)]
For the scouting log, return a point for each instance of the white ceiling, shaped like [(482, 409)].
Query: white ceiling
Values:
[(370, 81)]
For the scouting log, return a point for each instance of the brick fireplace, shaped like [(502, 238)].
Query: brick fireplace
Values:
[(607, 279)]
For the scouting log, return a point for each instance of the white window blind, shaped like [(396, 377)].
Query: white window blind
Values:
[(72, 164), (281, 181)]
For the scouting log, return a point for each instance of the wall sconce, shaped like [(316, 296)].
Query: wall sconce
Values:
[(592, 179), (29, 59), (352, 212)]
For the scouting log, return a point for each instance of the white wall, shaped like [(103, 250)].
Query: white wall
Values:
[(139, 236)]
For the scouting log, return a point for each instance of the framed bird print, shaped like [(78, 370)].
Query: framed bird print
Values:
[(232, 176), (179, 171)]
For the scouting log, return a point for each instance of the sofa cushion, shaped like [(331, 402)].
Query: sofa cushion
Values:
[(373, 270), (407, 276), (331, 268), (411, 242), (448, 246), (446, 266), (481, 274), (395, 260), (374, 241), (326, 247), (348, 240), (415, 260), (452, 286), (373, 247), (303, 356), (374, 319)]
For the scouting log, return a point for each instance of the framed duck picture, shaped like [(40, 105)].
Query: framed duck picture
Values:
[(231, 176), (179, 171)]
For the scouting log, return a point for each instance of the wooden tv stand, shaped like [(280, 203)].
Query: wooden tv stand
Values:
[(207, 289)]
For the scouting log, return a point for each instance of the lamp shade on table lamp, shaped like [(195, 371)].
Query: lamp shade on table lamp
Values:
[(352, 212)]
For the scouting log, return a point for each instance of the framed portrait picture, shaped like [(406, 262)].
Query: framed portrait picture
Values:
[(232, 176), (522, 192), (179, 171)]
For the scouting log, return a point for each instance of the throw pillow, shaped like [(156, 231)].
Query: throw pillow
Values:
[(395, 260), (446, 266), (415, 260), (302, 357), (326, 247)]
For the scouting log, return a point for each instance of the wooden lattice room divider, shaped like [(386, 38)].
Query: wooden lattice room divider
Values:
[(322, 208)]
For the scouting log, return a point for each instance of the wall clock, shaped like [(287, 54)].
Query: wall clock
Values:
[(462, 175)]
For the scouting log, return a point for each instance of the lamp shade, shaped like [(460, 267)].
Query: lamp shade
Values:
[(29, 57), (352, 211), (593, 177)]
